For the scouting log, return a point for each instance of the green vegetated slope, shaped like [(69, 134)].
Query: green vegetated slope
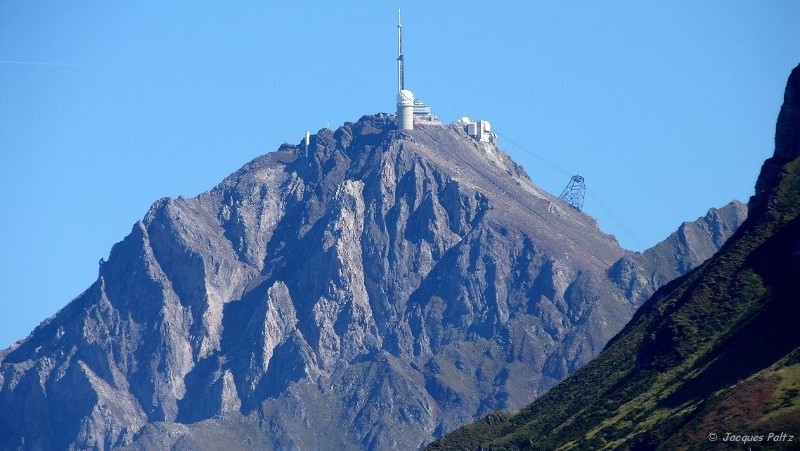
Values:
[(714, 352)]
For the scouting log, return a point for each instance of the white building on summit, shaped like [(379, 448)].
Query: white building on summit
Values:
[(479, 130), (405, 110)]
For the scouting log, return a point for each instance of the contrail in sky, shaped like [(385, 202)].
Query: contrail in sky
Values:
[(41, 63)]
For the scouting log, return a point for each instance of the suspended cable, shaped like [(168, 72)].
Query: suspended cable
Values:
[(627, 230), (538, 157), (614, 217), (524, 205)]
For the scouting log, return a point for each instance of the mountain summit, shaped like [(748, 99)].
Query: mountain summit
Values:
[(375, 289)]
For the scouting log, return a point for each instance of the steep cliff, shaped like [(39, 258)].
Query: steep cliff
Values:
[(376, 292)]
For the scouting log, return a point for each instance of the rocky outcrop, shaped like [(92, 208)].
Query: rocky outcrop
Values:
[(787, 142), (386, 288), (640, 275)]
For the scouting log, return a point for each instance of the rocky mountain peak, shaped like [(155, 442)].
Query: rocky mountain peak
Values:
[(375, 290), (787, 132), (639, 275), (787, 142)]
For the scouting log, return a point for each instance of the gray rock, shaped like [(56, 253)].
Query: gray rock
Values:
[(388, 288), (640, 275)]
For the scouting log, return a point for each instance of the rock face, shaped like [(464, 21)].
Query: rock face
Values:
[(713, 354), (640, 275), (381, 291)]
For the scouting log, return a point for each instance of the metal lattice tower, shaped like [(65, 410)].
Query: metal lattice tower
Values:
[(574, 192), (401, 82)]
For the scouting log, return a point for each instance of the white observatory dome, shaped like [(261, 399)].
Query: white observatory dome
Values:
[(405, 98)]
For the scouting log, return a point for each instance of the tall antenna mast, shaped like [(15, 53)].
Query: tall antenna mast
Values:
[(400, 75)]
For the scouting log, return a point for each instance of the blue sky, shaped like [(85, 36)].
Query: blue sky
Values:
[(666, 108)]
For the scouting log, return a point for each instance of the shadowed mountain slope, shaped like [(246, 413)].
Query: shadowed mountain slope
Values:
[(714, 352)]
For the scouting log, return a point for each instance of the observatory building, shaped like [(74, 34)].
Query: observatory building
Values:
[(405, 109), (479, 130)]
